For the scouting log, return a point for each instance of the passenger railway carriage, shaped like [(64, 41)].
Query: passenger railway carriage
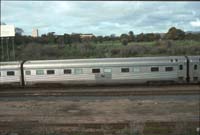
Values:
[(108, 70), (178, 69), (10, 73)]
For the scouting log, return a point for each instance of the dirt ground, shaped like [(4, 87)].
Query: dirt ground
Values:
[(61, 110)]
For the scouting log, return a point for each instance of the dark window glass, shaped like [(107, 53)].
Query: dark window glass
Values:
[(124, 70), (195, 78), (50, 72), (195, 67), (10, 73), (168, 68), (67, 71), (96, 70), (154, 69), (28, 72), (180, 67)]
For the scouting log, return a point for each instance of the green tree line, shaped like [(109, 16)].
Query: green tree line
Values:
[(125, 38)]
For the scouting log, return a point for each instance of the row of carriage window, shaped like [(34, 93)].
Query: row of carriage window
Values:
[(95, 70)]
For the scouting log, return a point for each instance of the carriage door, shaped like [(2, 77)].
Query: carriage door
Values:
[(103, 75)]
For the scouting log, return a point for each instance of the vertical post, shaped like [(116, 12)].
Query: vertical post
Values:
[(7, 49), (2, 50), (13, 48)]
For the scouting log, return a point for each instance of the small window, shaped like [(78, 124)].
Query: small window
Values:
[(124, 70), (180, 67), (96, 70), (50, 72), (10, 73), (67, 71), (136, 69), (78, 71), (168, 68), (195, 78), (154, 69), (39, 72), (195, 67), (107, 70), (28, 72)]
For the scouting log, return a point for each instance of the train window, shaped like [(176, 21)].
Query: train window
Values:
[(78, 71), (96, 70), (136, 69), (39, 72), (124, 70), (180, 67), (28, 72), (50, 72), (154, 69), (107, 70), (10, 73), (67, 71), (168, 68), (195, 78), (195, 67)]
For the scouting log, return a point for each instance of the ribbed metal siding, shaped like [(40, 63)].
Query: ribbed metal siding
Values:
[(10, 79), (158, 76), (194, 60), (49, 78)]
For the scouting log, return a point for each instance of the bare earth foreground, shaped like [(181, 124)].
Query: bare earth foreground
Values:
[(16, 114)]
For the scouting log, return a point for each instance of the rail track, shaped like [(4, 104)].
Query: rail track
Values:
[(101, 91)]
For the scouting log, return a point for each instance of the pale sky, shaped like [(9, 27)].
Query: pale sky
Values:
[(101, 17)]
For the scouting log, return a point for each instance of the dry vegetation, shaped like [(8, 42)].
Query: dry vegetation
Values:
[(138, 117), (107, 49)]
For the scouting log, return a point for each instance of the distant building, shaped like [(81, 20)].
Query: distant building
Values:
[(86, 36), (35, 33)]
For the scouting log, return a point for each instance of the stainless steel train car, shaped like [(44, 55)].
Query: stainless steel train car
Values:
[(10, 73), (178, 69), (106, 70)]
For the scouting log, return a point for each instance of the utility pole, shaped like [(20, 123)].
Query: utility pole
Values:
[(2, 50), (7, 49), (13, 48)]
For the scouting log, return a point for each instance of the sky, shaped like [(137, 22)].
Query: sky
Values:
[(101, 17)]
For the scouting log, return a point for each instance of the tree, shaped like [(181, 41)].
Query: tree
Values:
[(51, 37), (75, 38), (175, 34), (131, 36), (124, 38), (124, 42), (100, 39), (140, 37), (67, 39)]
